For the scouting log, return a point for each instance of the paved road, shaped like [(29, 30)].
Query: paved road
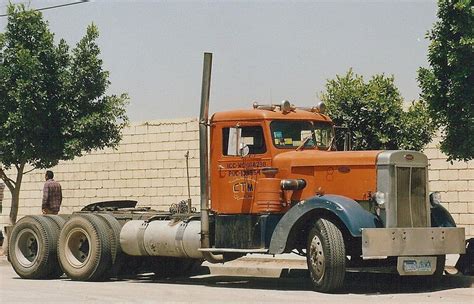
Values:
[(206, 287)]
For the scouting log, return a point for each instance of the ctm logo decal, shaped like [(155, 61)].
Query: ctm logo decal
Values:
[(243, 188)]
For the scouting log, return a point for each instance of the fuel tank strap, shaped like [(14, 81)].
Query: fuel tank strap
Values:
[(179, 238), (141, 239)]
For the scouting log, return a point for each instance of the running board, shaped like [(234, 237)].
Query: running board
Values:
[(218, 250)]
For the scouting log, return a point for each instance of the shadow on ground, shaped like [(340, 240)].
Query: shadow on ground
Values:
[(297, 279)]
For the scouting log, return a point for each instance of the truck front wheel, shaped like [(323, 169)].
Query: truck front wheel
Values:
[(326, 256)]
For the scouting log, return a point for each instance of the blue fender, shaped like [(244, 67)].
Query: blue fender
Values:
[(349, 212), (440, 217)]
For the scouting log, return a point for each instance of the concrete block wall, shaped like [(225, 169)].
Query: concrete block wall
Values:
[(149, 166), (455, 182)]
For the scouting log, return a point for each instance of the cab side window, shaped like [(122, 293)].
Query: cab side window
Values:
[(251, 136)]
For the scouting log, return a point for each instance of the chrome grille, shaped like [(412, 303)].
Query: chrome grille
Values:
[(411, 197)]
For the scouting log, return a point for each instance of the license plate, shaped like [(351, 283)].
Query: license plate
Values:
[(420, 265), (417, 265)]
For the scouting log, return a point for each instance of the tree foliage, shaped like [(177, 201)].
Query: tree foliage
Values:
[(448, 84), (53, 102), (373, 111)]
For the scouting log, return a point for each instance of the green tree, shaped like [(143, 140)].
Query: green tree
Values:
[(373, 111), (448, 84), (53, 104)]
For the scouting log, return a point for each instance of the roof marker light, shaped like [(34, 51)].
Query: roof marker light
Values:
[(285, 106), (321, 106)]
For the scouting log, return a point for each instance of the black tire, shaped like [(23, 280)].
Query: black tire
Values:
[(423, 282), (116, 255), (57, 220), (440, 265), (57, 223), (169, 267), (435, 279), (326, 256), (84, 248), (32, 248)]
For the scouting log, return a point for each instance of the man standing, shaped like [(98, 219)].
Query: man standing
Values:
[(52, 194)]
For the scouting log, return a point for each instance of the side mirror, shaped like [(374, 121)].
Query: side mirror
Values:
[(244, 150), (236, 146)]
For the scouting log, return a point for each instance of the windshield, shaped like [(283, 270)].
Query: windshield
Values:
[(291, 134)]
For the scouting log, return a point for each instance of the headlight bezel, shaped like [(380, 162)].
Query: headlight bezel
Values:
[(379, 198), (435, 199)]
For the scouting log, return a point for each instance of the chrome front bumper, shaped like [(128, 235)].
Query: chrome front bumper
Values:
[(412, 241)]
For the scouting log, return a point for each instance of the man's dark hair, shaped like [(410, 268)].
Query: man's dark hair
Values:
[(49, 174)]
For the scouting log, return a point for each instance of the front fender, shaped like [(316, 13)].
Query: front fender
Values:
[(440, 217), (348, 211)]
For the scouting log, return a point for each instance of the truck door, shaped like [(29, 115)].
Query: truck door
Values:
[(234, 180)]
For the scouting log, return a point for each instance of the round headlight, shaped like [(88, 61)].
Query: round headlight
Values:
[(435, 198), (379, 198)]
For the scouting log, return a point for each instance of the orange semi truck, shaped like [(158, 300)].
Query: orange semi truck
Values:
[(271, 182)]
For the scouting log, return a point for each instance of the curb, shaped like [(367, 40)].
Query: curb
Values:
[(4, 260)]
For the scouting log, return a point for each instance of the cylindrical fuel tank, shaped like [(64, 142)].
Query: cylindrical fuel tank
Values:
[(268, 196), (161, 238)]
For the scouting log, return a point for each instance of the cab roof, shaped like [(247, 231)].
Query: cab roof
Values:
[(261, 114)]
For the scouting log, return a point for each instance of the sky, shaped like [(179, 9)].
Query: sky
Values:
[(263, 51)]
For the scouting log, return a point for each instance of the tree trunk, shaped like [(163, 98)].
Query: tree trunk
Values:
[(14, 205), (16, 194), (2, 188)]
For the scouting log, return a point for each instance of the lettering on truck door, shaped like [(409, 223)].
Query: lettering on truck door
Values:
[(238, 175)]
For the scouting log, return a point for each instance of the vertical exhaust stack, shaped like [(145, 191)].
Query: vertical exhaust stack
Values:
[(204, 159)]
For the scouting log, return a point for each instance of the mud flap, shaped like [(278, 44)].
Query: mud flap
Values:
[(465, 264)]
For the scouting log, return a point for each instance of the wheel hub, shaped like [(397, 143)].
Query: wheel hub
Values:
[(77, 247), (27, 247), (317, 259)]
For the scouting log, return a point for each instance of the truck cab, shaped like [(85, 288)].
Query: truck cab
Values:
[(298, 144)]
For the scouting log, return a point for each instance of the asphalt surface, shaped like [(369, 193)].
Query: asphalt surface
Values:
[(251, 280)]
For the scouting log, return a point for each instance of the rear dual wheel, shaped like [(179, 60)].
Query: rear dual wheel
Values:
[(32, 247), (84, 248), (116, 254), (58, 222)]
